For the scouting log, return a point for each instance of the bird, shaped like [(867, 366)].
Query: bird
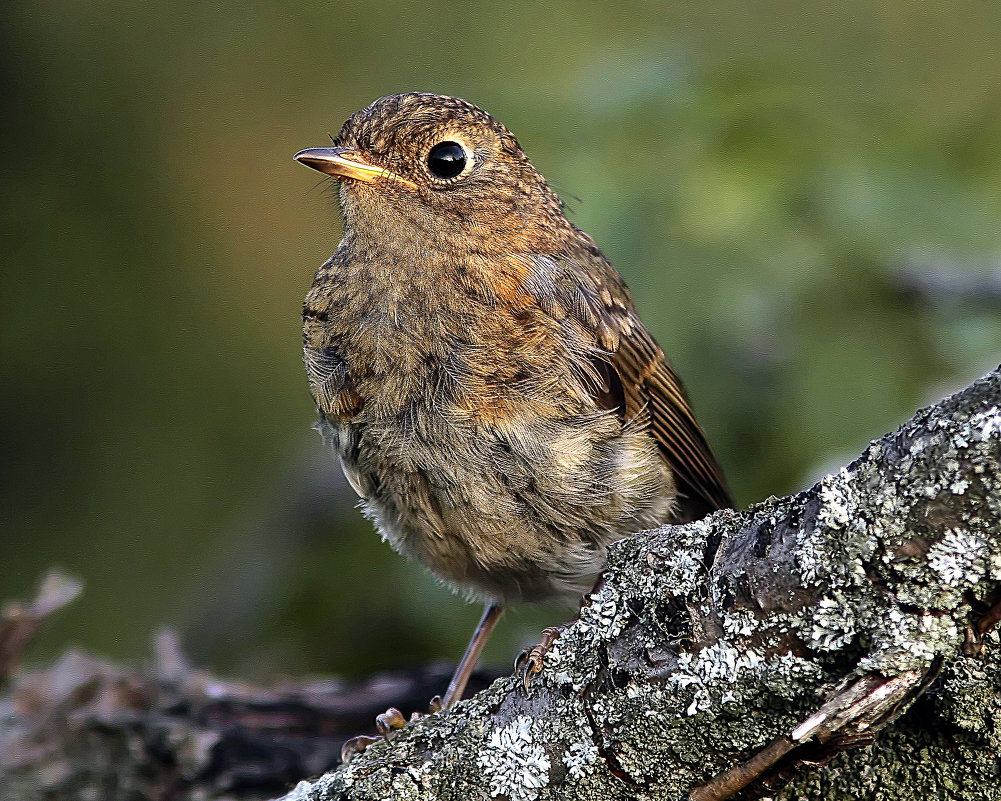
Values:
[(481, 370)]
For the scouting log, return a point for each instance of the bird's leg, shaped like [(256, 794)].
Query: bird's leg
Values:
[(457, 685), (392, 720)]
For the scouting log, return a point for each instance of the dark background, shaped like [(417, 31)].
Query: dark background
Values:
[(772, 179)]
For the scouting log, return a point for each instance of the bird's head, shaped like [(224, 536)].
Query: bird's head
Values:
[(434, 169)]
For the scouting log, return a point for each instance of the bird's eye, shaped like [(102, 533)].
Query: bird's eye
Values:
[(447, 159)]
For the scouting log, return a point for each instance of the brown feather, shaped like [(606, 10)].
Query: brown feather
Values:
[(638, 381), (652, 387)]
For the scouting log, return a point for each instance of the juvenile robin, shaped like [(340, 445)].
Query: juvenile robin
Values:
[(481, 370)]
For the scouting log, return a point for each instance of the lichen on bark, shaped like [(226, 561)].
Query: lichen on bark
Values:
[(821, 619)]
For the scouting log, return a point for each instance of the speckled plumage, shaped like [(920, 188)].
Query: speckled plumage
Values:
[(481, 369)]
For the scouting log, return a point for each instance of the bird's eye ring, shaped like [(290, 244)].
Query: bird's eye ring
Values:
[(447, 160)]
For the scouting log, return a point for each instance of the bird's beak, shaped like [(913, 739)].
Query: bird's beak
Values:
[(343, 162)]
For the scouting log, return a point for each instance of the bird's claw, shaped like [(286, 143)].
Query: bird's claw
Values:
[(532, 660), (387, 724), (390, 722), (356, 745), (528, 663)]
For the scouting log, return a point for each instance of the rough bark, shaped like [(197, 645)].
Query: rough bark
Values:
[(822, 618), (862, 607)]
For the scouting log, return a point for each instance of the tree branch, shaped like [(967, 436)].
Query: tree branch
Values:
[(822, 619)]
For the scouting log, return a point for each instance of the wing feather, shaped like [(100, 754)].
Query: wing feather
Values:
[(637, 380), (652, 385)]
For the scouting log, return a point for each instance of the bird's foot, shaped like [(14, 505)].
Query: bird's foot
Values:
[(531, 660), (356, 745), (387, 724)]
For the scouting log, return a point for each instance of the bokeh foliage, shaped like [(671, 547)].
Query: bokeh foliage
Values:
[(764, 175)]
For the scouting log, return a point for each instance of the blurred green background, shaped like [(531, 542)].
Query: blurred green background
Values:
[(805, 201)]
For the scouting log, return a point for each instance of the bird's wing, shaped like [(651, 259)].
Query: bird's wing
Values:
[(651, 385), (636, 379)]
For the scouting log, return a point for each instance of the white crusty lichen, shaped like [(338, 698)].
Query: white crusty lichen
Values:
[(300, 792), (514, 761), (738, 622), (910, 641), (832, 623), (713, 672), (579, 759), (836, 496), (840, 543), (423, 772), (568, 664), (604, 615), (987, 423), (959, 559)]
